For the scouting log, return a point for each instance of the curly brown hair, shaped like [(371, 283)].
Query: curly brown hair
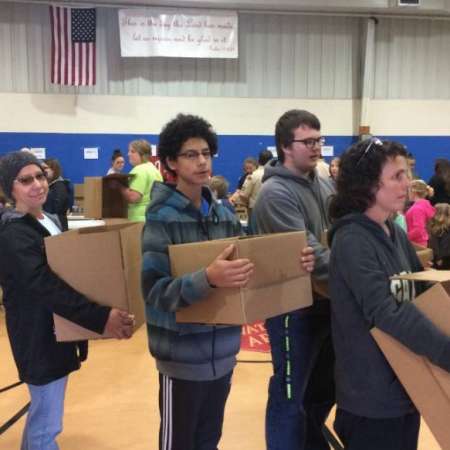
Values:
[(359, 174)]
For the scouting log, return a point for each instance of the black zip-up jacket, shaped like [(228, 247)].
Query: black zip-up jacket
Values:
[(58, 201), (363, 260), (31, 294)]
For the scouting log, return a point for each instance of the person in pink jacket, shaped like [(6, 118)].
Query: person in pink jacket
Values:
[(419, 213)]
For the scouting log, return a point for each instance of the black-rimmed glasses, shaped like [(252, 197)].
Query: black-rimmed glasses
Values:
[(311, 142), (373, 142), (192, 155)]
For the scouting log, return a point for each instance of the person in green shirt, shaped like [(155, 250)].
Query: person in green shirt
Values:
[(144, 175)]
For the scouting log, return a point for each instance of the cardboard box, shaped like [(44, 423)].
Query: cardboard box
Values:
[(103, 263), (279, 284), (103, 201), (78, 197), (424, 254), (427, 385)]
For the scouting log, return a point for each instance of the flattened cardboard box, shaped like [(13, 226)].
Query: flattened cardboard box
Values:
[(279, 284), (426, 384), (102, 201), (104, 264)]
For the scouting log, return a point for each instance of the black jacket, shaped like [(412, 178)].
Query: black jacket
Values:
[(441, 250), (440, 190), (31, 294), (363, 258), (58, 201)]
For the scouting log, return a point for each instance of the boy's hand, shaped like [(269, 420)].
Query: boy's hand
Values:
[(224, 273), (119, 324), (308, 259)]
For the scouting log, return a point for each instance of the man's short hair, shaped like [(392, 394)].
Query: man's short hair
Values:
[(287, 123), (264, 157)]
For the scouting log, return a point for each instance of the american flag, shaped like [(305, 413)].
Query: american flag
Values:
[(73, 45)]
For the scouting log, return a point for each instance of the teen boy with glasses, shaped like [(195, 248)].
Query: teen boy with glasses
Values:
[(293, 198), (195, 362)]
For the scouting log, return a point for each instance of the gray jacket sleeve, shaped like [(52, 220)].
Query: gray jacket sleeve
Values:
[(281, 214), (370, 287)]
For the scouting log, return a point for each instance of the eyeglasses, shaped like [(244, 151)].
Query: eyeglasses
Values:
[(192, 155), (373, 141), (29, 179), (311, 142)]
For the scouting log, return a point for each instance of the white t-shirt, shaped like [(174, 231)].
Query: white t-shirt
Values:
[(51, 226)]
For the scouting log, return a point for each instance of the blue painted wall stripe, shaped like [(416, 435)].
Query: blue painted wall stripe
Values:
[(233, 149)]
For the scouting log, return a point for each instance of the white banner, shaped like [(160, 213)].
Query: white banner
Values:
[(187, 33)]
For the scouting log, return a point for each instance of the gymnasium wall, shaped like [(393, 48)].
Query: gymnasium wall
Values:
[(286, 61)]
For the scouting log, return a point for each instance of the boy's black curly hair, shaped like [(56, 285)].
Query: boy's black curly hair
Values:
[(176, 132)]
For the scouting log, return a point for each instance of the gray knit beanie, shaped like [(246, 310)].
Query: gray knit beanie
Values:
[(10, 165)]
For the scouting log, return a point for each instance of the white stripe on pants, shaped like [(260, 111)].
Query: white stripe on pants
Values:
[(167, 413)]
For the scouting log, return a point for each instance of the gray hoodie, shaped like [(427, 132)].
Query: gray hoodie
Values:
[(288, 202), (363, 260)]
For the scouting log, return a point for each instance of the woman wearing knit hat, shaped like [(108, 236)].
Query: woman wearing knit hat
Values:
[(32, 293), (144, 175)]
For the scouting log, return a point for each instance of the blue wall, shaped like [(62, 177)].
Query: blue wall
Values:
[(233, 149)]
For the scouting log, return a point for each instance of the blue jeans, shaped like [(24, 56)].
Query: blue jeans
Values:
[(301, 390), (44, 419)]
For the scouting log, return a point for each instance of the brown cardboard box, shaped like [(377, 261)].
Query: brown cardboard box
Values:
[(103, 263), (79, 196), (425, 255), (101, 200), (278, 285), (427, 385)]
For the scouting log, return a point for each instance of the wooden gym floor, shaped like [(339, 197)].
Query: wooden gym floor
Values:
[(112, 402)]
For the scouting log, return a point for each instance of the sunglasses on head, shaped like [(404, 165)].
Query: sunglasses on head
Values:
[(373, 143), (28, 180)]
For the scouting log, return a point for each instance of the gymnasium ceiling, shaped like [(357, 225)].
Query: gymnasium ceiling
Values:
[(435, 8)]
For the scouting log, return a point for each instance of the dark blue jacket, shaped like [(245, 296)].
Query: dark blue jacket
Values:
[(184, 351)]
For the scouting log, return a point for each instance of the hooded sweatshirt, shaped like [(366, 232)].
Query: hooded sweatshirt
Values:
[(288, 202), (363, 258), (417, 217), (185, 351)]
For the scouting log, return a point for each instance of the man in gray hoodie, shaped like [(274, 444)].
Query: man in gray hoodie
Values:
[(292, 198)]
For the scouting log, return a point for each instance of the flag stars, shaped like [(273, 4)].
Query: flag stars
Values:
[(83, 25)]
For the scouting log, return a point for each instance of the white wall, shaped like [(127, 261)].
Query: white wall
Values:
[(120, 114)]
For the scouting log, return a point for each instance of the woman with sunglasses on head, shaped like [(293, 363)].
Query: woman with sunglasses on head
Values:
[(32, 293), (373, 410)]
